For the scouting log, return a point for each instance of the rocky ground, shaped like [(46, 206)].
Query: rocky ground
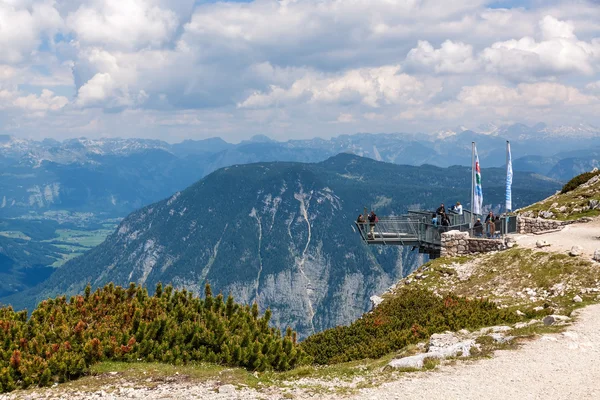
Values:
[(586, 236)]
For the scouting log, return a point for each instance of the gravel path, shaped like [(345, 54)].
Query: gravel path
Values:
[(584, 235), (563, 366)]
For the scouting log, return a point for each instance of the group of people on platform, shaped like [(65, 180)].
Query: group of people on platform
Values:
[(441, 217), (372, 218), (490, 226)]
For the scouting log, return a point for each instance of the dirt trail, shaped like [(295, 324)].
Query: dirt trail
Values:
[(584, 235), (563, 366)]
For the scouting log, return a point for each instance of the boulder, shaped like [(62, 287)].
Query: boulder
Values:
[(575, 251), (546, 214), (577, 299), (597, 255), (553, 319), (542, 243), (375, 301), (593, 204)]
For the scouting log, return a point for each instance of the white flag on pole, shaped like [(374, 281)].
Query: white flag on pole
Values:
[(509, 178), (478, 194)]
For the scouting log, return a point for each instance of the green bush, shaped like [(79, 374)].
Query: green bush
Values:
[(578, 180), (63, 338), (409, 317)]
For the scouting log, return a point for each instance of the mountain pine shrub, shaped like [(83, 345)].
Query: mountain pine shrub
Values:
[(578, 180), (63, 338), (411, 316)]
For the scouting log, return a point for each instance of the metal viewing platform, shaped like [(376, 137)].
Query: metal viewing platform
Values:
[(417, 230)]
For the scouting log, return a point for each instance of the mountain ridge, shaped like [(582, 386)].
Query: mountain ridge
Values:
[(278, 233)]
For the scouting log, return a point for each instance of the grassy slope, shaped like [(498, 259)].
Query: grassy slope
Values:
[(575, 202), (510, 279)]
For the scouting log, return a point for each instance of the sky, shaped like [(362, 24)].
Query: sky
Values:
[(293, 69)]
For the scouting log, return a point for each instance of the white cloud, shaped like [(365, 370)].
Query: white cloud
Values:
[(32, 104), (559, 51), (123, 24), (372, 87), (451, 57), (288, 67), (22, 28), (345, 118), (525, 94)]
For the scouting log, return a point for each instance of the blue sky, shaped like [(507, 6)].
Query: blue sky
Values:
[(293, 69)]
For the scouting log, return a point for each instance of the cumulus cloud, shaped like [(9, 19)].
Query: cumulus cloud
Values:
[(451, 57), (23, 28), (124, 24), (559, 51), (287, 67), (372, 87), (525, 94)]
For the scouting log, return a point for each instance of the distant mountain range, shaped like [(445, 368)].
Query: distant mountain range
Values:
[(281, 234), (116, 176)]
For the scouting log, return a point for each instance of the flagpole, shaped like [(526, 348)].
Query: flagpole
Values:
[(506, 195), (472, 183)]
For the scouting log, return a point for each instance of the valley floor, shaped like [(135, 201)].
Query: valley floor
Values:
[(554, 366)]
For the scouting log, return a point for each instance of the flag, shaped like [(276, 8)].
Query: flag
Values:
[(478, 194), (509, 178)]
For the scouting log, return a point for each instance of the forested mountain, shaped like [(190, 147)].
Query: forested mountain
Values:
[(280, 234), (116, 176)]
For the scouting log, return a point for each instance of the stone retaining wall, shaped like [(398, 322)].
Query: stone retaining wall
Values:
[(456, 243), (534, 225)]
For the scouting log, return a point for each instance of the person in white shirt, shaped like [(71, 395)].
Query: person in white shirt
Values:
[(458, 208)]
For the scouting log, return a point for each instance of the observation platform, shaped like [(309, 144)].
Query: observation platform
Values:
[(415, 229)]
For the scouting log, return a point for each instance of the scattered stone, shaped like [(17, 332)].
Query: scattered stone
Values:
[(227, 389), (553, 319), (538, 308), (520, 313), (597, 255), (500, 338), (593, 204), (546, 214), (577, 299), (541, 244), (441, 345), (575, 251), (375, 301), (562, 209)]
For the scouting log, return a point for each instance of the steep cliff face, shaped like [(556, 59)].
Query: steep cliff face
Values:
[(280, 234)]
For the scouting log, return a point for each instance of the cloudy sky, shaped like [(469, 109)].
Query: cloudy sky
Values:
[(174, 69)]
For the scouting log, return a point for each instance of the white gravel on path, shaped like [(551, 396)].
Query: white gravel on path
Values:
[(562, 366), (584, 235)]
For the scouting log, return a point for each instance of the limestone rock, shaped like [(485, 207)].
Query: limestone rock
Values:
[(542, 243), (553, 319), (597, 255), (520, 313), (594, 204), (227, 389), (562, 209), (575, 251), (577, 299), (546, 214), (375, 301)]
